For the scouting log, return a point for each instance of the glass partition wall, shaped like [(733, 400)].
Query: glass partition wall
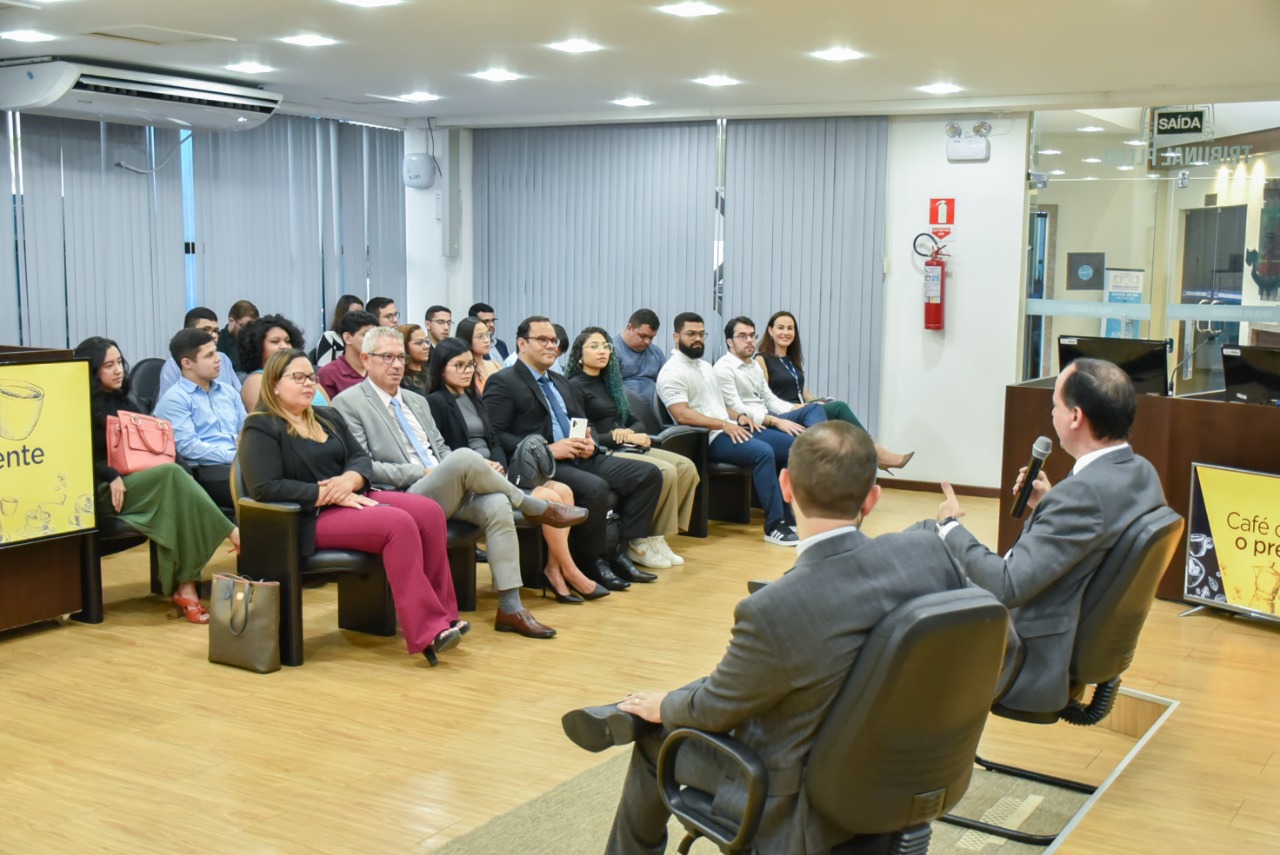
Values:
[(1177, 240)]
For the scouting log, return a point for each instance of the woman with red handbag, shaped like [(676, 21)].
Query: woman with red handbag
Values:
[(163, 502)]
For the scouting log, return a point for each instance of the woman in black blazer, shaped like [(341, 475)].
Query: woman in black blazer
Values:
[(291, 451), (462, 422)]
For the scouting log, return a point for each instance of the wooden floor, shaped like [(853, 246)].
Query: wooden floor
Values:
[(122, 738)]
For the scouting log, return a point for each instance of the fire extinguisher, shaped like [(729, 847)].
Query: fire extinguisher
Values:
[(935, 280)]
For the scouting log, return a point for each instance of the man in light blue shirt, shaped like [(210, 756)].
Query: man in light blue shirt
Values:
[(206, 413), (198, 318), (638, 359)]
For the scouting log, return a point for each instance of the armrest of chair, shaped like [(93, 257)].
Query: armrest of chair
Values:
[(697, 811), (685, 440), (269, 540)]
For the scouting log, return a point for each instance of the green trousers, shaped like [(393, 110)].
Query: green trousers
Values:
[(839, 411)]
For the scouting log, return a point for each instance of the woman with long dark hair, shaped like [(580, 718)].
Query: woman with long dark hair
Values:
[(461, 419), (331, 344), (476, 333), (417, 353), (782, 359), (260, 339), (291, 451), (596, 377), (163, 502)]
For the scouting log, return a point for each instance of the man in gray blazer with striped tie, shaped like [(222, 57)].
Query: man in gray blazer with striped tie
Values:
[(408, 453), (793, 645), (1073, 525)]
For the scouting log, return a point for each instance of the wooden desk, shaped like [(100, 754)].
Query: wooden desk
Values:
[(1172, 433)]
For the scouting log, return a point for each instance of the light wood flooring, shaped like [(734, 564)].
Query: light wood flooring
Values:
[(122, 738)]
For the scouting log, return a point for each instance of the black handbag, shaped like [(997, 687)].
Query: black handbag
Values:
[(531, 464)]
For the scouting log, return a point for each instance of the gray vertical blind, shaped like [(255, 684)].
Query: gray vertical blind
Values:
[(587, 224), (10, 219), (804, 232)]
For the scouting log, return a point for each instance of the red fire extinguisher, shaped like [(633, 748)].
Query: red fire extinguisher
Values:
[(935, 281)]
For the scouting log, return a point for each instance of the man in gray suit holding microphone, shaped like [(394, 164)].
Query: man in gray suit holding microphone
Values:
[(408, 453), (1071, 528), (793, 645)]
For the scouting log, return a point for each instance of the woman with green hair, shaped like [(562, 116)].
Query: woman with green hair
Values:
[(597, 384)]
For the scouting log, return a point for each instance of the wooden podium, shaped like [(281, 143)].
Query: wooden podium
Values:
[(1172, 433)]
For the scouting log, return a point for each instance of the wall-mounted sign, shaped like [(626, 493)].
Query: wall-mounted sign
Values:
[(942, 212), (1180, 121), (1085, 271)]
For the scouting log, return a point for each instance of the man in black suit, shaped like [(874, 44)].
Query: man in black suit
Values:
[(528, 398)]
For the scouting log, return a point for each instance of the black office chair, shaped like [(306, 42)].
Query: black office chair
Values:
[(269, 550), (725, 489), (144, 382), (1113, 610), (685, 440), (896, 749), (113, 535)]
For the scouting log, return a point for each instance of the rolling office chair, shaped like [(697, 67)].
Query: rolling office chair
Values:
[(1113, 610), (896, 749)]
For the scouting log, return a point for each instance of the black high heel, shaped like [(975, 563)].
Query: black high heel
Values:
[(446, 640), (570, 599)]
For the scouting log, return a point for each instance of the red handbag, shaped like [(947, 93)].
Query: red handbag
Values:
[(136, 442)]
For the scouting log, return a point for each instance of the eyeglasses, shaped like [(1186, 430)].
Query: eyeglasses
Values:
[(463, 367), (391, 316), (389, 358), (604, 345), (441, 322), (745, 336), (543, 341), (426, 342), (302, 378), (482, 337), (696, 336)]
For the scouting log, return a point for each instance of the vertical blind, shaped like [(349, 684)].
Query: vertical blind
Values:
[(288, 215), (587, 224)]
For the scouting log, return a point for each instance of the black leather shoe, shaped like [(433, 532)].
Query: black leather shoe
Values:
[(598, 728), (623, 567), (605, 576)]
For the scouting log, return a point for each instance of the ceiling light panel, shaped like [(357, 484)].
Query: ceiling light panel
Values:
[(496, 75), (1091, 160), (1091, 129), (575, 46), (691, 9), (837, 54), (370, 4), (419, 97), (249, 68), (1135, 142), (1049, 151), (940, 88), (27, 36), (632, 102), (716, 80), (309, 40)]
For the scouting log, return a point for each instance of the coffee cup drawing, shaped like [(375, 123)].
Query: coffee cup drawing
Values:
[(20, 406)]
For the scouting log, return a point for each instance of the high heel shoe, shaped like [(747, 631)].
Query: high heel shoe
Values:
[(596, 593), (446, 640), (906, 458), (190, 609), (570, 598)]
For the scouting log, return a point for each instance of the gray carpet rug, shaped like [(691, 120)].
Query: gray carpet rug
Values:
[(574, 818)]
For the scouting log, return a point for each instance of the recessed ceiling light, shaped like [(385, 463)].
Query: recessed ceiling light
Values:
[(496, 75), (716, 80), (575, 46), (1091, 178), (632, 102), (309, 40), (370, 4), (1125, 168), (837, 54), (1058, 172), (1152, 175), (939, 88), (1091, 160), (691, 9), (27, 36), (1048, 151), (1135, 142), (249, 68), (1091, 129), (1199, 163), (419, 97)]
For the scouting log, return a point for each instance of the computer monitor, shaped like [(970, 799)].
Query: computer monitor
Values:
[(1252, 374), (1146, 361)]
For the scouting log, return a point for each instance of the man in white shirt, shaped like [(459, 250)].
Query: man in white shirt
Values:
[(689, 389), (409, 454)]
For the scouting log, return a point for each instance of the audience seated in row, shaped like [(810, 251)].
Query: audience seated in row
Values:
[(330, 345), (417, 351), (347, 369), (484, 312), (239, 315), (259, 341), (207, 320), (439, 322), (475, 332)]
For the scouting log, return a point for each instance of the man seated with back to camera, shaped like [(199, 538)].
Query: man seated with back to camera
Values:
[(794, 642), (198, 318), (410, 455), (1072, 526), (529, 398), (205, 412)]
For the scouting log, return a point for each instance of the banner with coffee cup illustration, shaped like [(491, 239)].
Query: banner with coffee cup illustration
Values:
[(46, 453)]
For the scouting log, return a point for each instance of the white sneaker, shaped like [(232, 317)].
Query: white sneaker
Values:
[(781, 535), (642, 551), (665, 548)]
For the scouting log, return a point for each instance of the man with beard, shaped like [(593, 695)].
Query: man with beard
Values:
[(690, 391)]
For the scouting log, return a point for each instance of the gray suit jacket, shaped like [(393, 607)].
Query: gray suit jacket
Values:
[(1043, 580), (379, 433), (794, 643)]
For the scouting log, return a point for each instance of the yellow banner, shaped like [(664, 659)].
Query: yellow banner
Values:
[(46, 455), (1241, 537)]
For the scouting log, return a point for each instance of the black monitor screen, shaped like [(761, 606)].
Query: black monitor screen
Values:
[(1252, 374), (1146, 361)]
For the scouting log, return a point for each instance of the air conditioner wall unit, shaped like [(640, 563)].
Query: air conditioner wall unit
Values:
[(76, 89)]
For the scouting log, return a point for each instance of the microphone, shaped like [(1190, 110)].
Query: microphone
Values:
[(1211, 336), (1039, 452)]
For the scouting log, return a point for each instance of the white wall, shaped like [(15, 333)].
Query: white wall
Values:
[(943, 392), (433, 278)]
